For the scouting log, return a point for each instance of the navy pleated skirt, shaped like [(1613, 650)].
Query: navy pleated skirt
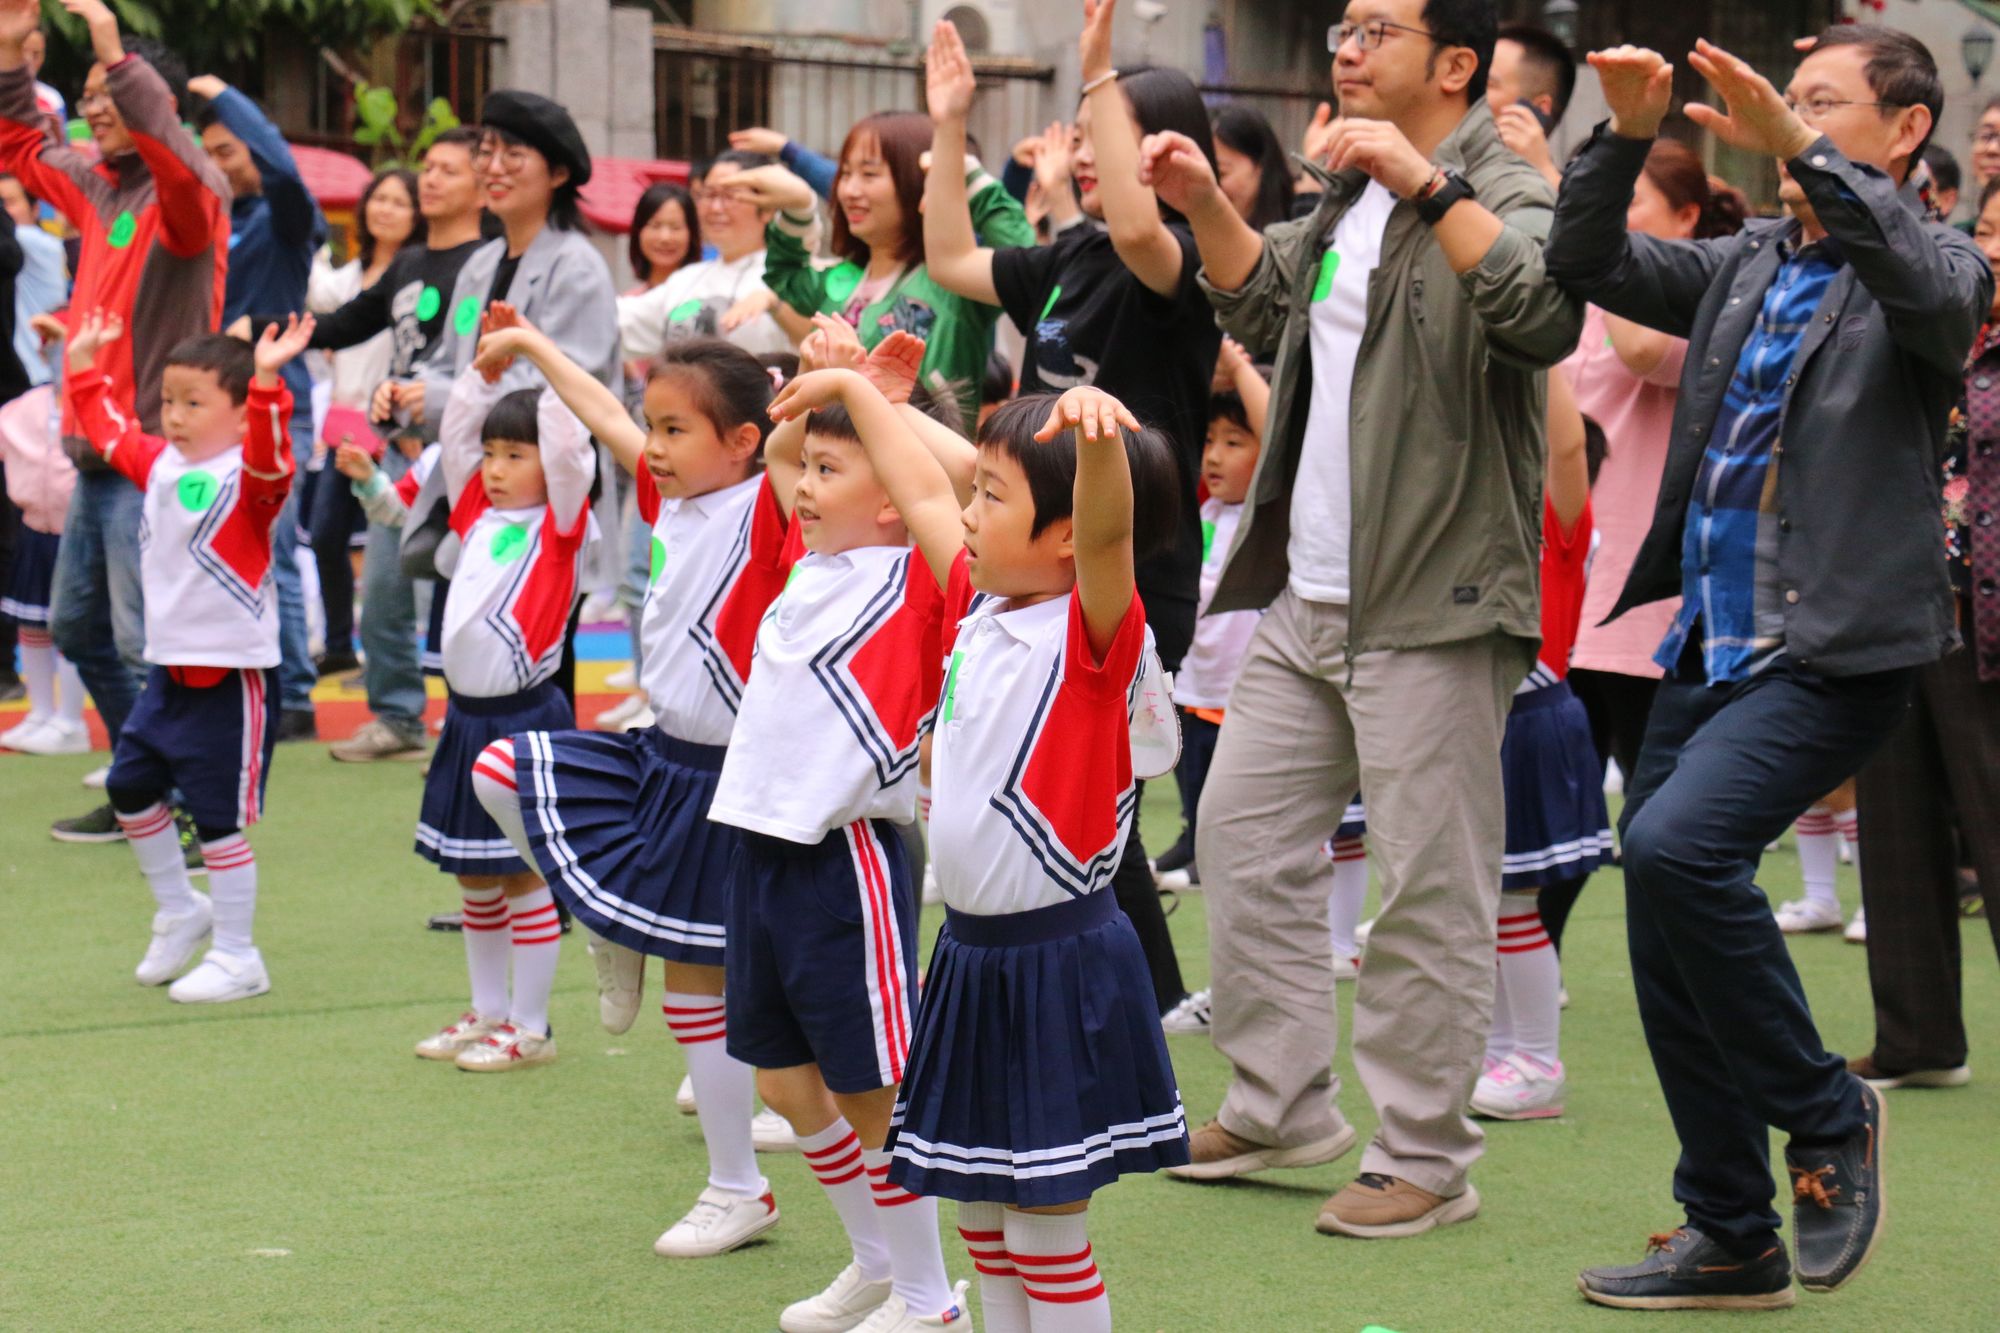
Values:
[(453, 828), (25, 599), (1557, 825)]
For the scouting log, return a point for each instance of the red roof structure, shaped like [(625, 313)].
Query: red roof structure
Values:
[(616, 183), (335, 179)]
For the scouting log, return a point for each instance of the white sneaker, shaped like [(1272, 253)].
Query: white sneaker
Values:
[(176, 940), (1346, 969), (933, 895), (848, 1299), (55, 736), (893, 1316), (467, 1029), (1520, 1088), (95, 778), (1562, 998), (1857, 929), (684, 1096), (621, 976), (718, 1223), (506, 1048), (222, 977), (644, 719), (1174, 881), (1808, 916), (620, 714), (771, 1132), (624, 678), (26, 727), (1361, 933), (1192, 1014)]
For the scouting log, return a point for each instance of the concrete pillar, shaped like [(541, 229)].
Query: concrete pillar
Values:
[(527, 59), (631, 86), (582, 32)]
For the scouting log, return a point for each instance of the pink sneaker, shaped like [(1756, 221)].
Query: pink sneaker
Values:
[(1520, 1087)]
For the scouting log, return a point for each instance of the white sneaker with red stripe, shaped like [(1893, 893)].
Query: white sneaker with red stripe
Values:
[(222, 977), (893, 1316), (467, 1029), (1346, 969), (176, 940), (771, 1132), (1520, 1087), (848, 1299), (506, 1047), (718, 1223), (621, 976)]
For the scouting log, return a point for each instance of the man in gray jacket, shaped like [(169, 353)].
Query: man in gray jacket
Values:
[(1392, 532)]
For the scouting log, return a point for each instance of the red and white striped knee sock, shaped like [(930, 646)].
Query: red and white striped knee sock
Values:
[(232, 886), (486, 950), (910, 1227), (1848, 825), (1052, 1254), (1818, 832), (157, 843), (493, 783), (537, 945), (1530, 980), (1003, 1301), (1350, 890), (834, 1154), (725, 1091)]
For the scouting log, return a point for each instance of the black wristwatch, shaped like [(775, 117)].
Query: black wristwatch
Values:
[(1435, 205)]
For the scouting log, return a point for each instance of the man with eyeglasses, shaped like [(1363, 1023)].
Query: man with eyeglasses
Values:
[(1393, 533), (1798, 519)]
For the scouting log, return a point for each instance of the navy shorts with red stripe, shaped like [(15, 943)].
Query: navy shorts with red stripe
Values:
[(212, 743), (822, 960)]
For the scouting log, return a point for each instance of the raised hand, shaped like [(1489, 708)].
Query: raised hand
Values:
[(1379, 148), (757, 139), (1638, 87), (103, 24), (838, 346), (811, 391), (892, 367), (1177, 170), (207, 85), (497, 350), (18, 18), (279, 346), (1051, 157), (1094, 46), (948, 80), (93, 332), (1089, 411), (1758, 121), (772, 188), (1319, 134)]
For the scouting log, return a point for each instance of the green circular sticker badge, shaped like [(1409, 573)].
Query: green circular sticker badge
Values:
[(841, 280), (123, 228), (429, 302), (465, 318), (509, 543), (685, 311), (197, 491), (659, 561)]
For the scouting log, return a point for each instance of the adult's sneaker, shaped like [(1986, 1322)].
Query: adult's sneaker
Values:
[(771, 1132), (621, 977), (1193, 1014), (1857, 929), (894, 1316), (684, 1096), (176, 940), (1685, 1270), (847, 1300), (449, 1041), (1216, 1154), (718, 1223), (1378, 1207), (1864, 1068), (507, 1048), (1519, 1087), (1837, 1205), (100, 825), (376, 739), (1809, 916), (222, 977)]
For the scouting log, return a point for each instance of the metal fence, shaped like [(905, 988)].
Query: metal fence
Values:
[(429, 62)]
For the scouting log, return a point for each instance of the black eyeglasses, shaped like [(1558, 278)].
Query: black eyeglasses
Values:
[(1368, 35), (1818, 107)]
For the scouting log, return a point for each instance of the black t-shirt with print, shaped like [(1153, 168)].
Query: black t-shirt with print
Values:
[(409, 297), (1088, 320)]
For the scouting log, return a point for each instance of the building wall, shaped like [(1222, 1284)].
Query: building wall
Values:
[(1941, 25)]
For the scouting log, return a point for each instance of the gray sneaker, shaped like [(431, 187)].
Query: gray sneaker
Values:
[(376, 739)]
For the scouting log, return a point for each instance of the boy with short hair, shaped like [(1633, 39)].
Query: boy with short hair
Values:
[(206, 721)]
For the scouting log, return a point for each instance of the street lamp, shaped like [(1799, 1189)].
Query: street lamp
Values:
[(1976, 49), (1559, 16)]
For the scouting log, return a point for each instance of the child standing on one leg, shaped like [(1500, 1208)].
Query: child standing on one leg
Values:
[(206, 722), (39, 480), (517, 471)]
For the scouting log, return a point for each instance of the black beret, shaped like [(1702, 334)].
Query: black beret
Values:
[(541, 124)]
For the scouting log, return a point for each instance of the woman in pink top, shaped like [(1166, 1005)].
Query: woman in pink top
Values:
[(1626, 379)]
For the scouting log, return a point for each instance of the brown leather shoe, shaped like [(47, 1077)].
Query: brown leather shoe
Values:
[(1864, 1068), (1384, 1207), (1216, 1154)]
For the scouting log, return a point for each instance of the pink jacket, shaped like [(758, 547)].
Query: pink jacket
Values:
[(39, 474)]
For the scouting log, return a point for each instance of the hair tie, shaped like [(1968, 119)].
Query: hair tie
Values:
[(777, 375)]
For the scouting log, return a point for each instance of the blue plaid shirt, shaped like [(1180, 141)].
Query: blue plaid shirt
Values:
[(1729, 548)]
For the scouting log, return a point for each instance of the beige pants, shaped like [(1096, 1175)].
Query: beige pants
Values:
[(1418, 732)]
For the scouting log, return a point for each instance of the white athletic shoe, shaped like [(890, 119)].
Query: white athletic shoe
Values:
[(1808, 916), (718, 1223), (55, 736), (684, 1096), (621, 977), (1346, 969), (1857, 929), (12, 737), (893, 1316), (1520, 1088), (1361, 933), (1562, 998), (624, 678), (1174, 881), (620, 715), (771, 1132), (848, 1300), (95, 778), (176, 940), (467, 1029), (506, 1048), (1192, 1014), (933, 895), (222, 977)]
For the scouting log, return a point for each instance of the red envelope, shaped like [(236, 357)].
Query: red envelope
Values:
[(353, 424)]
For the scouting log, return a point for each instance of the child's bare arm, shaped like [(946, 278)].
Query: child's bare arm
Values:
[(1102, 540), (1251, 387), (596, 406)]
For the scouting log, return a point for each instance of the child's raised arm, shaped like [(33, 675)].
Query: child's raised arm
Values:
[(569, 464), (596, 406), (1569, 463), (1102, 522), (1251, 387), (459, 449)]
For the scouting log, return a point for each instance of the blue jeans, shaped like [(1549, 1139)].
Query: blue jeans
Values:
[(98, 619), (390, 666), (1723, 771), (296, 673)]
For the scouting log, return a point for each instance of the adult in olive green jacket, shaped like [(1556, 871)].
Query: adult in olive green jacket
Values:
[(1392, 533)]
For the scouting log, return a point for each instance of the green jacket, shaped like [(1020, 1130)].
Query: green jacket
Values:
[(1448, 425), (958, 334)]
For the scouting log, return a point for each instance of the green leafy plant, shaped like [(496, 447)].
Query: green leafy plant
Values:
[(377, 113)]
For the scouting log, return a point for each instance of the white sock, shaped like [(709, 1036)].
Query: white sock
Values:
[(725, 1091), (1530, 980), (157, 843), (1003, 1301), (537, 945), (486, 950), (38, 672), (834, 1154), (1350, 890), (69, 691), (1500, 1037), (1052, 1252), (910, 1226), (1848, 825), (232, 885), (493, 784), (1819, 854)]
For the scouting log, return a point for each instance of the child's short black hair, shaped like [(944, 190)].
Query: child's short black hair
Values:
[(515, 418), (1051, 471), (229, 359), (1595, 447), (728, 384), (998, 386), (1228, 406), (833, 422)]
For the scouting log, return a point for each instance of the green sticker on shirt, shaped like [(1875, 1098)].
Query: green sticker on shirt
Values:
[(1054, 296), (466, 317), (659, 561), (123, 228), (1207, 539), (951, 687), (685, 311), (841, 280), (508, 544), (1329, 264), (197, 491), (429, 301)]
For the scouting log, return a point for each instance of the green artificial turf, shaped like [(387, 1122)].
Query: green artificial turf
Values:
[(285, 1163)]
